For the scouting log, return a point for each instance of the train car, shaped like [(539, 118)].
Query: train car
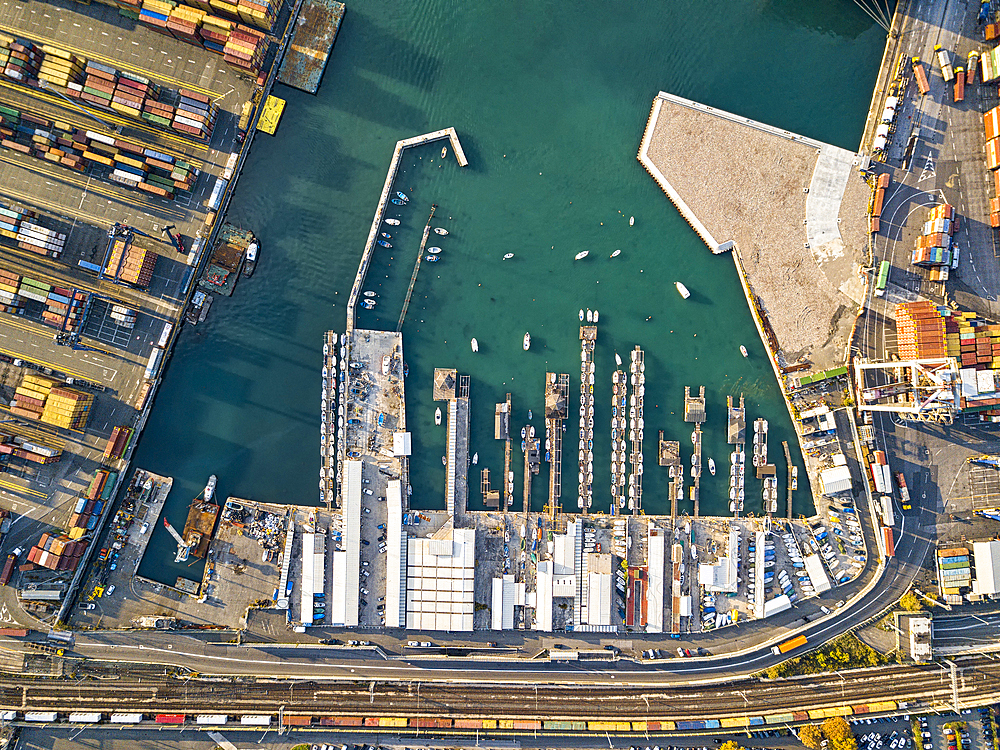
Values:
[(80, 717), (211, 719), (296, 721), (785, 718), (126, 718), (256, 720), (41, 717), (341, 721), (170, 718)]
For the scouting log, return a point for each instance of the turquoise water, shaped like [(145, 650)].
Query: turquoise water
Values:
[(549, 100)]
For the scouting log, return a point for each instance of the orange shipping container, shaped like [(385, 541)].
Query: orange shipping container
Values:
[(883, 180), (992, 155), (879, 200)]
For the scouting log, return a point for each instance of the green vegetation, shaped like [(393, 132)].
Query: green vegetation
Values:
[(836, 731), (918, 740), (846, 652), (730, 745), (303, 746), (911, 602), (957, 727)]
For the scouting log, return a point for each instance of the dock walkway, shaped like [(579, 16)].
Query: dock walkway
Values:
[(416, 269), (151, 514), (448, 134)]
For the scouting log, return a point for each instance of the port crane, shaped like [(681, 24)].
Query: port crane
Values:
[(183, 550), (175, 238)]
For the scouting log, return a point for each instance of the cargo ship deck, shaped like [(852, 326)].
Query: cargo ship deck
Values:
[(307, 56)]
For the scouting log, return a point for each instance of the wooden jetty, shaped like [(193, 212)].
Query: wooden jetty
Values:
[(696, 468), (491, 497), (501, 431), (556, 412), (532, 465), (694, 406), (588, 340), (448, 134), (638, 370), (416, 269), (736, 436), (669, 455), (792, 478)]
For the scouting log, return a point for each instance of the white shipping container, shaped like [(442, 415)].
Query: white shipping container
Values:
[(211, 719), (80, 717), (126, 718), (256, 720), (41, 716), (168, 328), (100, 137)]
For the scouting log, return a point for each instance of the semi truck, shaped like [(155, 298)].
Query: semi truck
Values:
[(920, 76), (8, 566), (944, 60), (784, 648)]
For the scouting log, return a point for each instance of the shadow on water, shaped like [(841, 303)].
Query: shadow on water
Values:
[(841, 18)]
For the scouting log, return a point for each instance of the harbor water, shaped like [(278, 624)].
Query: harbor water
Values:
[(549, 100)]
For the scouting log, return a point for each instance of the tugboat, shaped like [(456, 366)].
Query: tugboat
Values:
[(250, 264)]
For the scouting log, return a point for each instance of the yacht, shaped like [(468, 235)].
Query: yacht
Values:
[(743, 351), (370, 293), (475, 345), (475, 459), (434, 250), (392, 222), (508, 256), (439, 230), (527, 341), (581, 315), (597, 316), (581, 255), (683, 290), (618, 359), (437, 415), (631, 221), (616, 253), (590, 315), (711, 466)]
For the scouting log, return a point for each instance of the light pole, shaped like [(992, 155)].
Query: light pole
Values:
[(45, 86)]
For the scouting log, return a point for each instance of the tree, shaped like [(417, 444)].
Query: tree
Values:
[(839, 732), (730, 745), (811, 736), (911, 602)]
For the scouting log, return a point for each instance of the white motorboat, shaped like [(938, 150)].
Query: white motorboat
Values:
[(439, 230), (597, 316), (444, 152), (370, 293), (444, 461), (711, 466), (392, 222), (437, 415), (434, 250), (631, 220), (616, 253), (618, 360), (475, 459), (508, 256), (581, 315), (590, 315), (743, 351), (683, 290), (581, 255), (386, 361), (475, 344), (527, 341)]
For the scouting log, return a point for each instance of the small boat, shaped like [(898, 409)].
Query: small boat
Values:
[(508, 256), (475, 344), (387, 235), (711, 466), (444, 151), (431, 259), (437, 415), (402, 196), (529, 413), (439, 230), (475, 459), (618, 359), (383, 243), (527, 341), (581, 255), (398, 202), (251, 263), (743, 351), (631, 220), (392, 222), (370, 293), (581, 316), (444, 461), (368, 304), (683, 290), (590, 316), (406, 369), (524, 433), (386, 361), (597, 316), (616, 253)]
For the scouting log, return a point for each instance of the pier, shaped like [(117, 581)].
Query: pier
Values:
[(501, 431), (792, 479), (454, 390), (619, 427), (736, 436), (588, 340), (694, 411), (448, 134), (306, 58), (532, 465), (329, 416), (669, 455), (491, 497), (636, 424), (556, 412), (147, 510), (416, 269)]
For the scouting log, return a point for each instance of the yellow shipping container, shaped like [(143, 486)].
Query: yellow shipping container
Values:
[(76, 532), (489, 723), (391, 721), (505, 724), (734, 721), (126, 110), (98, 158), (638, 726)]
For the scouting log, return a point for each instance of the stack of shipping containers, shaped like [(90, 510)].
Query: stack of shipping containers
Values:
[(10, 302), (934, 245), (130, 264), (59, 67), (919, 331), (991, 122), (57, 552), (195, 115), (67, 408), (30, 395), (21, 59), (117, 443)]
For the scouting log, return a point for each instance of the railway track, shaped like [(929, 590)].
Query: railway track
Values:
[(978, 679)]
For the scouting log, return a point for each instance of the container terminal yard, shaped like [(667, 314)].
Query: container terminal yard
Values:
[(123, 129), (886, 356)]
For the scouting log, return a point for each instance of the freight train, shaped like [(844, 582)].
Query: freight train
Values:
[(396, 723)]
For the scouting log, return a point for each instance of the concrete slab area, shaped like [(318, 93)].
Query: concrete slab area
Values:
[(792, 207)]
